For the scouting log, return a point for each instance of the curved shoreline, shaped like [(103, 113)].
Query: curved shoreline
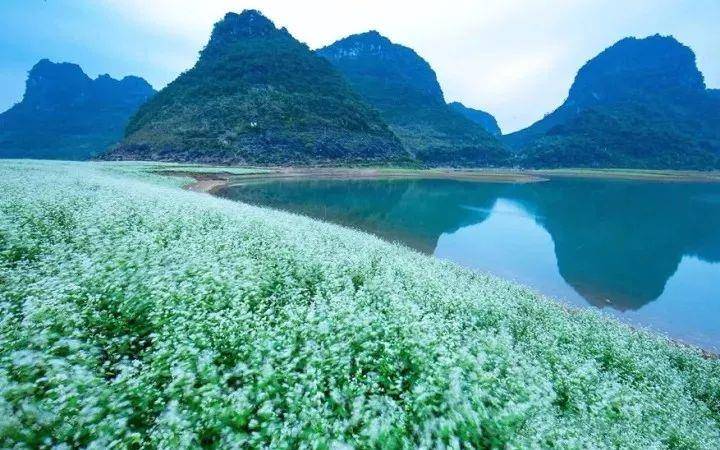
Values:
[(213, 179), (212, 183)]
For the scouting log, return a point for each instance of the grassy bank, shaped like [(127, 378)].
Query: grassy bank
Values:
[(136, 314)]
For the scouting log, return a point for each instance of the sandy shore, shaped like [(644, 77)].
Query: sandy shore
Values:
[(213, 180), (207, 186)]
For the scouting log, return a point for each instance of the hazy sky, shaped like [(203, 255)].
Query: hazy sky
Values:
[(514, 59)]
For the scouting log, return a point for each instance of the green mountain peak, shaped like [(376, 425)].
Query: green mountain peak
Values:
[(257, 95), (404, 88), (639, 103)]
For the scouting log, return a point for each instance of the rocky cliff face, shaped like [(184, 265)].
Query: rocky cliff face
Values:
[(404, 88), (258, 95), (639, 103), (66, 114)]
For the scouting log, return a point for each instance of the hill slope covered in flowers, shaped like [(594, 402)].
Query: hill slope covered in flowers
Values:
[(134, 314)]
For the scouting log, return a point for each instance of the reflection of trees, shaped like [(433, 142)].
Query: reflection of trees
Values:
[(614, 240)]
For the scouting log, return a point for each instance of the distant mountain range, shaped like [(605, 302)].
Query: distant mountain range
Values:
[(404, 88), (65, 114), (257, 95), (482, 118), (640, 103)]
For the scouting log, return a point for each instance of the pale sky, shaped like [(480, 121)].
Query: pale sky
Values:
[(514, 59)]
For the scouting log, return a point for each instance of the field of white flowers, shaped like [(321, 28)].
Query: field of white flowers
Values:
[(134, 314)]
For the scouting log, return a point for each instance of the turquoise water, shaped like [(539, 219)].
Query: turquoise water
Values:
[(646, 252)]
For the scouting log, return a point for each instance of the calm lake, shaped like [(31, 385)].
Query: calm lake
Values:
[(646, 252)]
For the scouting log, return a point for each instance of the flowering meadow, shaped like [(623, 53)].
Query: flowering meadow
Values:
[(135, 314)]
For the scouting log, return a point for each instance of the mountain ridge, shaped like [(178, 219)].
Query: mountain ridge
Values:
[(65, 114), (404, 88)]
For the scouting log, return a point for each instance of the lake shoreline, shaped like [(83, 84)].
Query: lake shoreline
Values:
[(208, 182), (213, 180), (675, 176), (215, 184)]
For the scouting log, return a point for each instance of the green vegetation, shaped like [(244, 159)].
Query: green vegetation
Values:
[(438, 137), (134, 314), (649, 134), (403, 87), (182, 168), (137, 167), (258, 95), (641, 103)]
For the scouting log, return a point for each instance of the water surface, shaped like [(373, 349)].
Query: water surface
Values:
[(647, 252)]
